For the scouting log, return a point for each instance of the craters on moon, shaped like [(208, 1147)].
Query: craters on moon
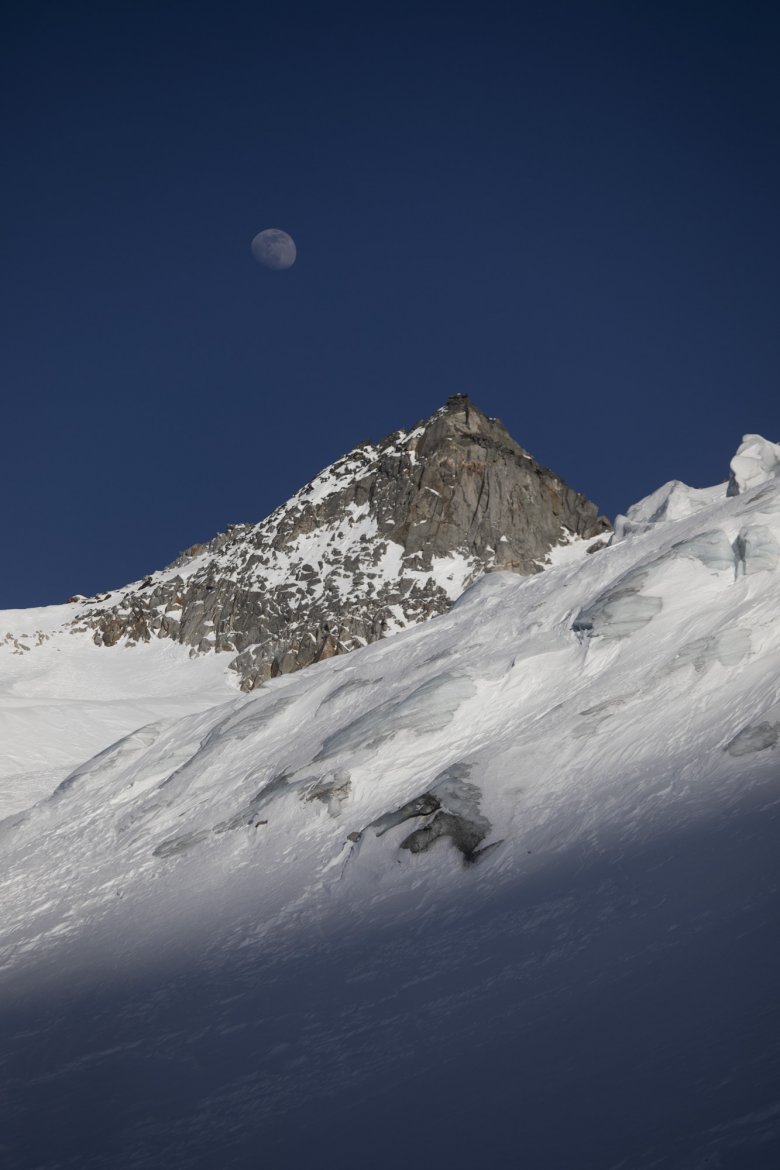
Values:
[(274, 249)]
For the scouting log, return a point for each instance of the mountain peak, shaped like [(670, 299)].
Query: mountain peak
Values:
[(461, 406), (386, 536)]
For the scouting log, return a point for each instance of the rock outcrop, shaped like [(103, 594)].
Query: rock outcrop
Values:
[(387, 536)]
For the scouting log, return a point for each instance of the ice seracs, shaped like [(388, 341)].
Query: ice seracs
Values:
[(672, 501), (756, 461)]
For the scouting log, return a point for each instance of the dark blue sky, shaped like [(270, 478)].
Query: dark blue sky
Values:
[(567, 210)]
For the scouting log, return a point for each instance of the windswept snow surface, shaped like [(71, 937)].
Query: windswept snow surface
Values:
[(63, 698), (500, 890)]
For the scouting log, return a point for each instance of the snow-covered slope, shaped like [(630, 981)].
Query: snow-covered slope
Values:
[(499, 890), (63, 698), (384, 538)]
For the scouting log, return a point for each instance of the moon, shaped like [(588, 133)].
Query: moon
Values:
[(273, 248)]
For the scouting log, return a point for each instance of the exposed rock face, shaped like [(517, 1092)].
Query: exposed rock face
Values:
[(386, 537)]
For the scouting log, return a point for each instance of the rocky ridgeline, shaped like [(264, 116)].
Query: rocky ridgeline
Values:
[(386, 537)]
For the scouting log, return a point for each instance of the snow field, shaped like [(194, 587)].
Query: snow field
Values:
[(231, 898)]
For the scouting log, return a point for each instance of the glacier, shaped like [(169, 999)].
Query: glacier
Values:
[(500, 888)]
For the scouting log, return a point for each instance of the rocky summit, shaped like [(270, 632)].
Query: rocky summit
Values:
[(387, 536)]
